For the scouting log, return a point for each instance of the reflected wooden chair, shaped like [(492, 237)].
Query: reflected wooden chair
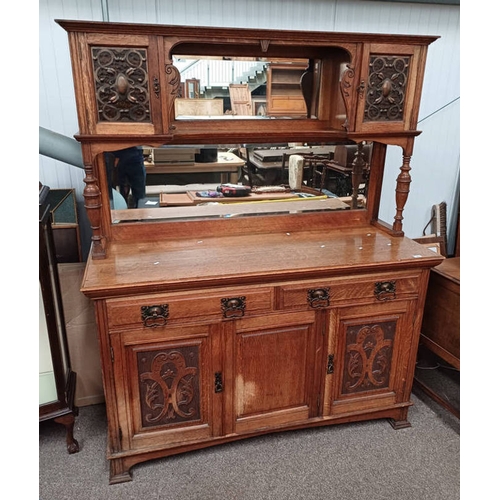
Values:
[(249, 170), (315, 169)]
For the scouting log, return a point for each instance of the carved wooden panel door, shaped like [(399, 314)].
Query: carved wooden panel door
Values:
[(368, 357), (272, 365), (121, 85), (166, 386), (390, 87)]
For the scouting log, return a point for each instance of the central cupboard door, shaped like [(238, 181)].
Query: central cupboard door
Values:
[(273, 361)]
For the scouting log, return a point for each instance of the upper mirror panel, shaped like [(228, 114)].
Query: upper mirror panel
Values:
[(223, 87)]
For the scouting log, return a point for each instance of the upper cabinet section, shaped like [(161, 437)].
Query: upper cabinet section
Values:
[(169, 81), (390, 87), (117, 81)]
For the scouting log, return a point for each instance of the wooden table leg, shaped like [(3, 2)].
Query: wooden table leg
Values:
[(68, 421)]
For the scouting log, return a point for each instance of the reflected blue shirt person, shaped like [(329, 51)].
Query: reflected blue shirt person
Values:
[(129, 163)]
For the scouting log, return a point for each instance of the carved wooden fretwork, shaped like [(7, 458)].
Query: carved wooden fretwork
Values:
[(307, 87), (368, 357), (169, 386), (174, 80), (346, 89), (386, 88), (121, 84)]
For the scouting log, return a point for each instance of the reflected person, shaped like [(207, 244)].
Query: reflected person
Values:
[(129, 164)]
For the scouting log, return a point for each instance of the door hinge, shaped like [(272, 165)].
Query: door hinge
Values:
[(120, 435), (112, 354), (329, 365)]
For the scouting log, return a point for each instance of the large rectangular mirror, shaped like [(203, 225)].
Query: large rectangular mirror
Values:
[(230, 180)]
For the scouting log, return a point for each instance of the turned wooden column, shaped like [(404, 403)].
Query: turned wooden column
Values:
[(358, 166), (93, 205), (402, 191)]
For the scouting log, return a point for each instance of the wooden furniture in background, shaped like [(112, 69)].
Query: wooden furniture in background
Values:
[(441, 321), (241, 99), (227, 164), (440, 332), (198, 107), (192, 88), (56, 378), (65, 226), (220, 328), (284, 93)]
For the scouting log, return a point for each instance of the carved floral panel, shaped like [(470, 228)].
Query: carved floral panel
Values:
[(368, 357), (386, 88), (169, 385), (121, 84)]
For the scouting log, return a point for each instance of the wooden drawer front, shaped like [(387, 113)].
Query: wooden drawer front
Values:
[(163, 310), (288, 103), (336, 292)]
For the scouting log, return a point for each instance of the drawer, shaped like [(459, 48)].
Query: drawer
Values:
[(339, 291), (164, 309)]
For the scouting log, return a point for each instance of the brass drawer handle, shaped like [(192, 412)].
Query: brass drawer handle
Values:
[(385, 290), (233, 307), (153, 316), (318, 297)]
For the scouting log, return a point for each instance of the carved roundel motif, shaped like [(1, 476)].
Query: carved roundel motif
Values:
[(121, 84), (386, 92)]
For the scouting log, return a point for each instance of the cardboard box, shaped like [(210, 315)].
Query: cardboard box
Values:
[(81, 332), (185, 156)]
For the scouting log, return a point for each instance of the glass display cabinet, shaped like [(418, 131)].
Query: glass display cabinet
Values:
[(56, 379)]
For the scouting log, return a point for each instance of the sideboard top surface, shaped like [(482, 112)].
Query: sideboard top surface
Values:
[(157, 266)]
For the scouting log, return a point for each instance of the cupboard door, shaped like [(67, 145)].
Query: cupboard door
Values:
[(390, 88), (272, 370), (369, 357), (121, 74), (165, 386)]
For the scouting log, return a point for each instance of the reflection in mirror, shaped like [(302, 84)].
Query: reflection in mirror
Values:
[(246, 87), (198, 181)]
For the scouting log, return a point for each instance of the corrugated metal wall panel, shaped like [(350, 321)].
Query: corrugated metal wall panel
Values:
[(435, 170), (436, 155), (57, 111)]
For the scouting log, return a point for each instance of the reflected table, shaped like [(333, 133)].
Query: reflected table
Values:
[(227, 164)]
